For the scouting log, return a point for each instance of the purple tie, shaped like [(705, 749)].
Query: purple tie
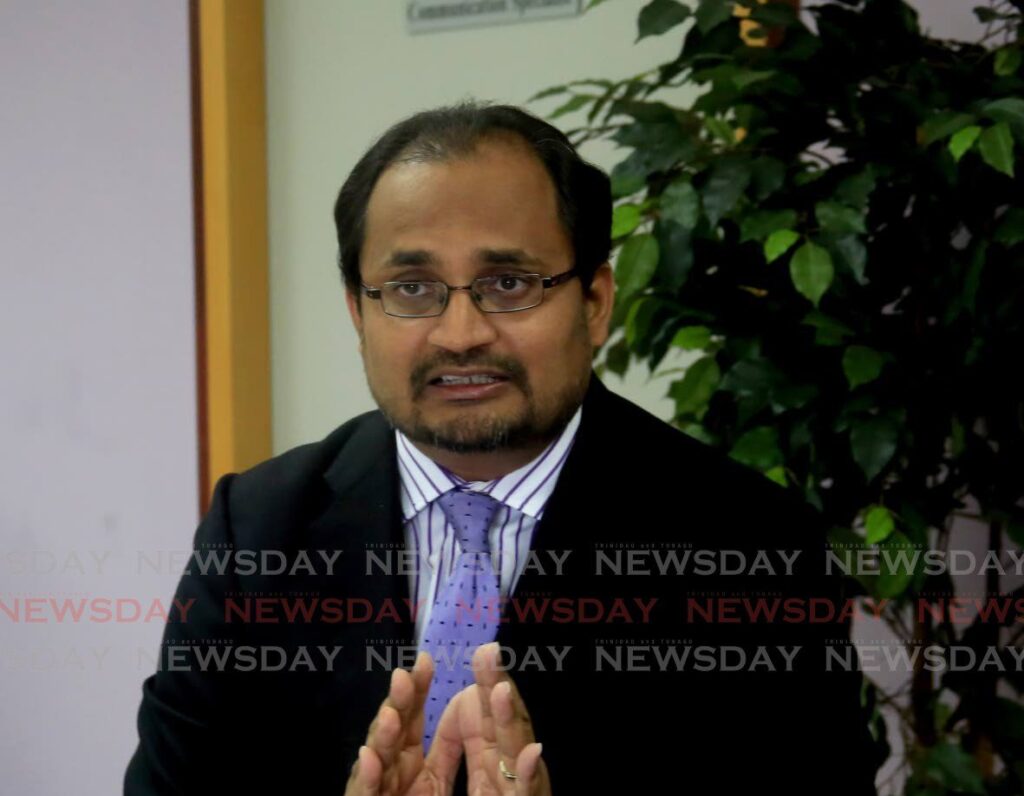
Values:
[(460, 619)]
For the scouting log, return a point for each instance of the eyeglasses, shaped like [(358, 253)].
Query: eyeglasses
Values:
[(499, 293)]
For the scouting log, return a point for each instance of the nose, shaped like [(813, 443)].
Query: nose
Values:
[(463, 325)]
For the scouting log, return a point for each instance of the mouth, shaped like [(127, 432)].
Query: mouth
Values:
[(467, 386)]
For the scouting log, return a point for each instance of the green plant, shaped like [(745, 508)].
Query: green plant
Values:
[(835, 230)]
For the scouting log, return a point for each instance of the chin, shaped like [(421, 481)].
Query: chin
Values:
[(476, 435)]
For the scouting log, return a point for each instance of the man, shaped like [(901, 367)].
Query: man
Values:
[(532, 501)]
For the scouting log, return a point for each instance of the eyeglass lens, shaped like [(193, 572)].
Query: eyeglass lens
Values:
[(502, 293)]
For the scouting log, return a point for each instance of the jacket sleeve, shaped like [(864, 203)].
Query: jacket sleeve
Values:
[(184, 718)]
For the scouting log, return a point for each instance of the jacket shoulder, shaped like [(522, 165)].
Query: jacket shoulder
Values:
[(659, 453), (288, 488)]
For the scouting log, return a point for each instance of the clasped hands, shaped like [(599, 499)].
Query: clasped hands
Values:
[(487, 721)]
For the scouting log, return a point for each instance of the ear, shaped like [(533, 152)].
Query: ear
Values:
[(598, 304), (356, 313)]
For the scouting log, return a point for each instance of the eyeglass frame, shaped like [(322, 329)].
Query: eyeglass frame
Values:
[(546, 283)]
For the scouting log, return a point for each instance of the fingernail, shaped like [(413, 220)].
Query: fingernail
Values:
[(506, 688), (540, 749)]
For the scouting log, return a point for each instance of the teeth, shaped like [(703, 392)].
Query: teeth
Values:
[(467, 379)]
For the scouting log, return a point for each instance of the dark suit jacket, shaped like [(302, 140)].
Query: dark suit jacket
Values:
[(630, 479)]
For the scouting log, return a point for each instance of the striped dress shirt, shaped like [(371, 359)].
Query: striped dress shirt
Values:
[(430, 538)]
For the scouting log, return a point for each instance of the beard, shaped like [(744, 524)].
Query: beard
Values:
[(484, 431)]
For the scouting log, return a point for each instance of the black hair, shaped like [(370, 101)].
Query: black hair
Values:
[(583, 190)]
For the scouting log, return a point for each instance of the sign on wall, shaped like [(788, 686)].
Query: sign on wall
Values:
[(424, 16)]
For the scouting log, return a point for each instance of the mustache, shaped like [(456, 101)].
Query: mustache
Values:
[(510, 368)]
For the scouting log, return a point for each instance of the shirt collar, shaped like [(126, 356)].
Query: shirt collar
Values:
[(525, 489)]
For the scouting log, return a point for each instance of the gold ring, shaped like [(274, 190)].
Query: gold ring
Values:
[(504, 771)]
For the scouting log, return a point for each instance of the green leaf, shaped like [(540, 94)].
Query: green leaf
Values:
[(762, 223), (954, 768), (720, 128), (1010, 231), (811, 271), (675, 258), (829, 331), (712, 13), (839, 219), (856, 189), (548, 92), (1007, 61), (638, 320), (778, 243), (1007, 109), (754, 381), (660, 16), (747, 77), (893, 578), (694, 390), (758, 448), (878, 524), (659, 143), (628, 177), (963, 140), (996, 147), (638, 260), (617, 357), (692, 338), (861, 365), (576, 102), (680, 203), (625, 218), (728, 181), (972, 279), (767, 176), (792, 396), (943, 124), (778, 475), (873, 443), (853, 254)]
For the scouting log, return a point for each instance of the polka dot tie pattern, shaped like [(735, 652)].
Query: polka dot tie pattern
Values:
[(461, 618)]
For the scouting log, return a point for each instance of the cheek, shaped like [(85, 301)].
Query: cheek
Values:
[(389, 357)]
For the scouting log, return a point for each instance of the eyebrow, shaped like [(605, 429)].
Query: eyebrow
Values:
[(419, 257)]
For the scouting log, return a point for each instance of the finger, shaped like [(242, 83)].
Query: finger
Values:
[(366, 775), (446, 747), (486, 666), (422, 675), (513, 728), (531, 772), (385, 737)]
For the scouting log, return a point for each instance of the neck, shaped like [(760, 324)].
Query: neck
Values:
[(482, 466)]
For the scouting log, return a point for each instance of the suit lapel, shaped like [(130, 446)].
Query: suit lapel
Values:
[(566, 525), (363, 519)]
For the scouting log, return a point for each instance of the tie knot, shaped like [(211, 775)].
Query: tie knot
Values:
[(470, 514)]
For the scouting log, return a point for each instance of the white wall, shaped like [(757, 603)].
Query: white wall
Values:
[(339, 74), (97, 402)]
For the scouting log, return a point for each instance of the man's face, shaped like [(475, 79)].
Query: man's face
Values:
[(493, 211)]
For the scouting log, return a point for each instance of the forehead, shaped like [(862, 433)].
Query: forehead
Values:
[(498, 196)]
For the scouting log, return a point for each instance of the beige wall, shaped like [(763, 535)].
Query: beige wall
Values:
[(338, 74)]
